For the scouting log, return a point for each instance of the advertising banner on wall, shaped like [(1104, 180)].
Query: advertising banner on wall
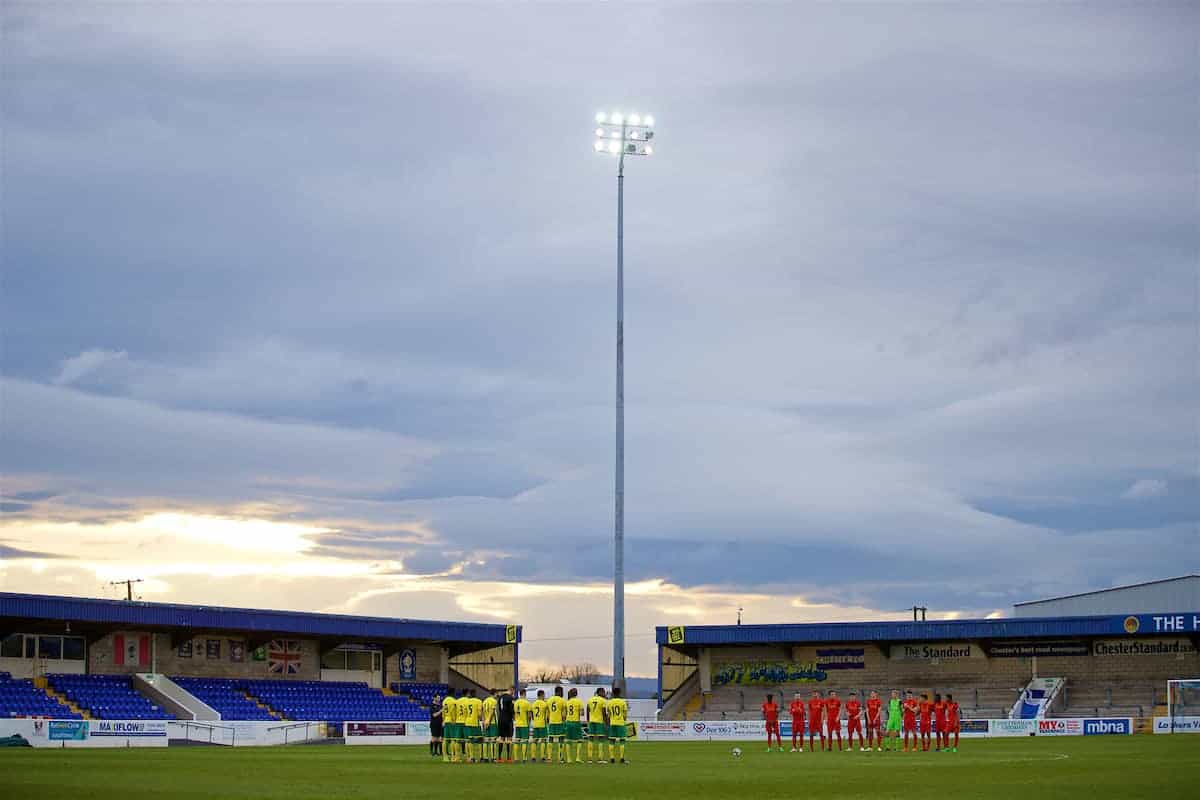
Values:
[(935, 652), (750, 673), (1041, 649), (1157, 623), (1142, 647), (408, 664)]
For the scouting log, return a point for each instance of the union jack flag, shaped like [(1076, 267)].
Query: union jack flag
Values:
[(283, 657)]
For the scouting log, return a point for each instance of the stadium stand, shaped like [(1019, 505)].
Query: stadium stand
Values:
[(423, 693), (106, 696), (1103, 665), (1082, 699), (21, 698), (226, 696), (333, 701)]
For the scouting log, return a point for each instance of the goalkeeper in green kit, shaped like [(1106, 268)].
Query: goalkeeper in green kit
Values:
[(894, 716)]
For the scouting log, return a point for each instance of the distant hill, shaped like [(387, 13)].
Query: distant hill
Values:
[(637, 687)]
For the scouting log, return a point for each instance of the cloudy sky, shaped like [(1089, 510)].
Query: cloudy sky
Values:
[(311, 306)]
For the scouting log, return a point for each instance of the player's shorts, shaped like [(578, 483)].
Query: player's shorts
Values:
[(926, 727), (874, 724), (910, 725), (556, 730), (539, 733), (493, 730), (772, 725), (854, 725), (953, 727), (616, 732), (832, 725), (597, 729), (450, 730), (893, 724), (574, 732), (475, 733), (504, 729), (522, 732)]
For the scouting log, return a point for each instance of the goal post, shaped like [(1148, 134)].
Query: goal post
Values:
[(1183, 704)]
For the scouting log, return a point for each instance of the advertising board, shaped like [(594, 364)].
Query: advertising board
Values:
[(356, 733), (1107, 727), (1012, 727), (1177, 725), (1060, 727), (66, 730)]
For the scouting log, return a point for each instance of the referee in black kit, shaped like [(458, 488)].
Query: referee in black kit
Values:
[(505, 708), (435, 727)]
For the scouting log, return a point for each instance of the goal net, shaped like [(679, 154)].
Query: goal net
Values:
[(1183, 705)]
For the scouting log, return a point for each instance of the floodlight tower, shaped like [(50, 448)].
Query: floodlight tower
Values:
[(621, 135)]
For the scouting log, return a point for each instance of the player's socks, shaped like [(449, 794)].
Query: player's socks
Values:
[(621, 748)]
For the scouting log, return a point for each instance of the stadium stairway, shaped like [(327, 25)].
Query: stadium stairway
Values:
[(264, 706), (66, 701)]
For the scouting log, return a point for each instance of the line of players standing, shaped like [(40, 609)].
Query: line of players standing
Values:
[(929, 722), (505, 728)]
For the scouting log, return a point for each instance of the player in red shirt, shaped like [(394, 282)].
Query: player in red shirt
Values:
[(910, 708), (952, 722), (833, 720), (854, 723), (939, 724), (874, 720), (926, 706), (770, 712), (797, 709), (816, 711)]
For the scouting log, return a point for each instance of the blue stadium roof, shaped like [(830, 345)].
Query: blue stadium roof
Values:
[(1167, 623), (173, 615)]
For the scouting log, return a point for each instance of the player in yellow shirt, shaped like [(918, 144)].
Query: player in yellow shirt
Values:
[(522, 712), (469, 709), (490, 728), (574, 726), (449, 728), (541, 712), (597, 729), (558, 707), (618, 711)]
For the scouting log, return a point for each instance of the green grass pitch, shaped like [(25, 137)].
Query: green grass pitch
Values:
[(1013, 769)]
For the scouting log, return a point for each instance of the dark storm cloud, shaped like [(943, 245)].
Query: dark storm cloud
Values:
[(908, 287)]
